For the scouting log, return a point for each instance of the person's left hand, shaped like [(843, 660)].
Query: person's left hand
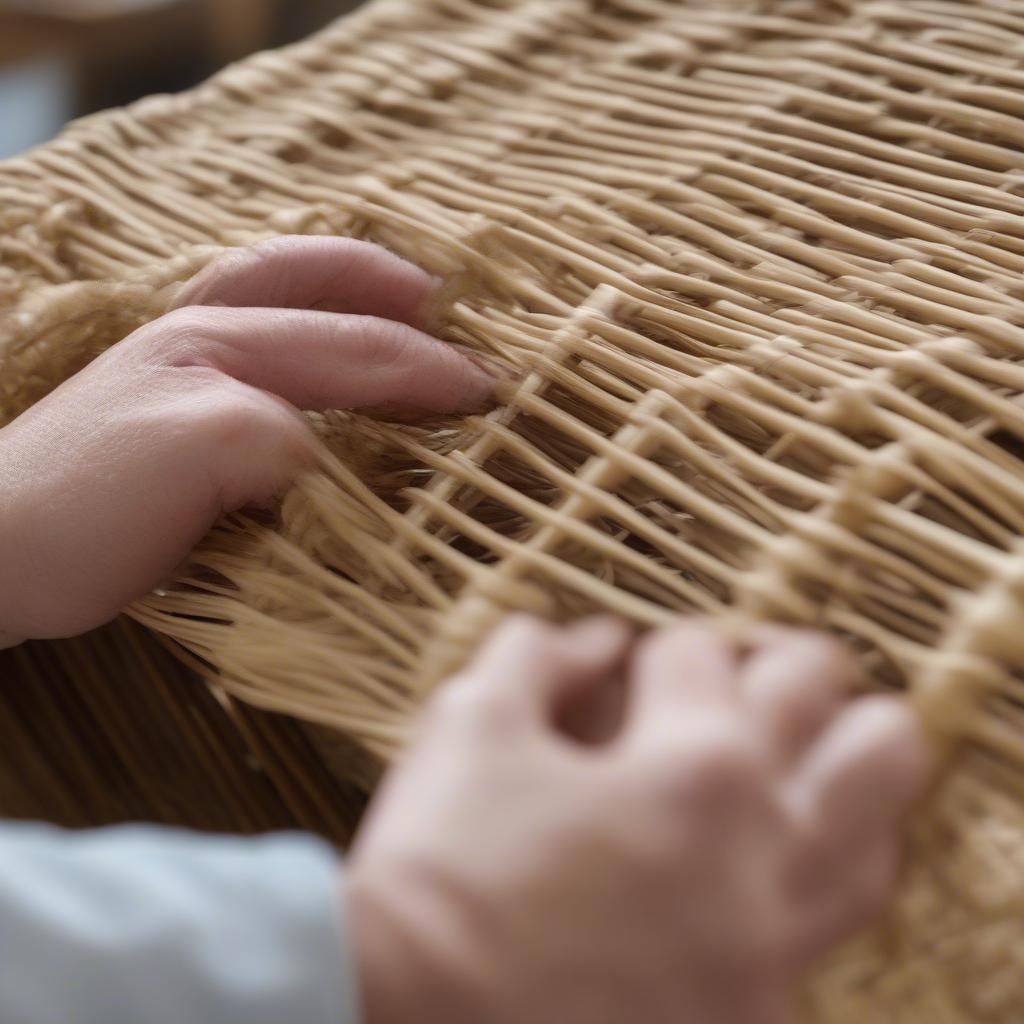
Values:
[(108, 482)]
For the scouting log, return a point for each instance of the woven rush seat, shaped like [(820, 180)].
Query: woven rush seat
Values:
[(760, 269)]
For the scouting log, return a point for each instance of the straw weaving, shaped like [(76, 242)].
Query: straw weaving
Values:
[(759, 269)]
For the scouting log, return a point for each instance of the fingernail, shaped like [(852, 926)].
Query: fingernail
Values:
[(495, 376), (494, 367)]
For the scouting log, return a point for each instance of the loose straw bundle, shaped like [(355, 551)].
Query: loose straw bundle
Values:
[(759, 265)]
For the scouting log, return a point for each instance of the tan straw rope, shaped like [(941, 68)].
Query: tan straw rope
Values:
[(758, 266)]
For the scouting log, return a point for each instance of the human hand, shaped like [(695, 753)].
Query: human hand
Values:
[(740, 820), (108, 482)]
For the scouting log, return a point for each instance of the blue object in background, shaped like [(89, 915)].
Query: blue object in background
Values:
[(36, 99)]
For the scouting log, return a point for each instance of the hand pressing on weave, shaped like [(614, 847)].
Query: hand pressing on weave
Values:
[(682, 867), (107, 483)]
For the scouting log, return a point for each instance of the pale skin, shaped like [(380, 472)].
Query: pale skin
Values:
[(593, 827)]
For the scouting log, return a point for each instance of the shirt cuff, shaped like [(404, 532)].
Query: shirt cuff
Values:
[(162, 927)]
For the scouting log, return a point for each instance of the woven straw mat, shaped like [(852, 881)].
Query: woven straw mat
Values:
[(760, 267)]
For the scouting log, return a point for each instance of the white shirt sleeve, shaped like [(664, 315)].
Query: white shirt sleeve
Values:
[(146, 926)]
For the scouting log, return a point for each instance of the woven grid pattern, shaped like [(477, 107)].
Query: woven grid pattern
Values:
[(758, 268)]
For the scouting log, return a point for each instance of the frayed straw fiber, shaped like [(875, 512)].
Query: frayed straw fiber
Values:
[(760, 266)]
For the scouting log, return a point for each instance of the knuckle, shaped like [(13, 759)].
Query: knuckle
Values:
[(187, 319), (832, 655), (891, 732), (235, 413), (270, 257), (253, 255), (178, 338), (519, 631), (496, 713), (726, 767), (280, 245), (824, 645), (464, 705), (520, 624), (650, 647), (392, 346), (893, 717), (681, 634), (718, 762), (446, 705), (819, 651)]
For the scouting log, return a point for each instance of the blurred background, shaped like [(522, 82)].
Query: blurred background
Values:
[(60, 59)]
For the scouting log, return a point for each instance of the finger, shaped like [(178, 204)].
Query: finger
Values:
[(792, 684), (538, 668), (683, 666), (863, 772), (318, 360), (848, 897), (340, 275)]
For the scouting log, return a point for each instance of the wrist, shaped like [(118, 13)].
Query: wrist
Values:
[(412, 961)]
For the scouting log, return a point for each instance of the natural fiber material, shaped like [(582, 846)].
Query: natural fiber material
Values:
[(110, 727), (759, 268)]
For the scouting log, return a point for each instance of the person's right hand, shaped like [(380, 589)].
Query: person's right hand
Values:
[(742, 818)]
